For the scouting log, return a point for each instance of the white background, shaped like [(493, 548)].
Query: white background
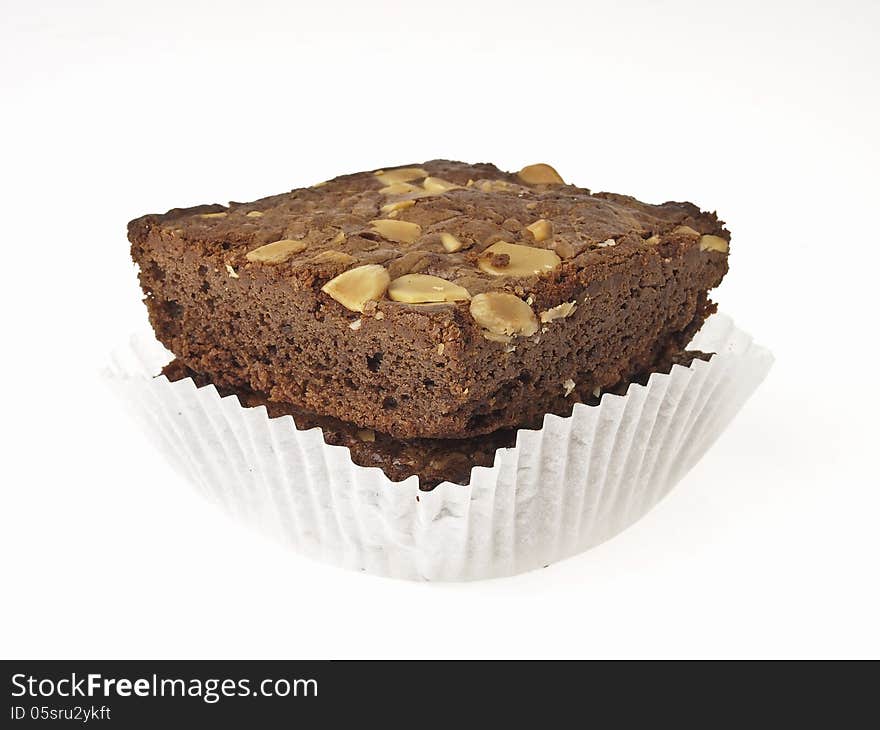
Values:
[(766, 111)]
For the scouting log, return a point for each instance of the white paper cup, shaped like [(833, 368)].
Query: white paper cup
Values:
[(562, 489)]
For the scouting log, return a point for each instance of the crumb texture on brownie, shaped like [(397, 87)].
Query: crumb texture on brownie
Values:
[(436, 300)]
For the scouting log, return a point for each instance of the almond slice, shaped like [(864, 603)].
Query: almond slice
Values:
[(566, 309), (401, 174), (397, 231), (397, 206), (276, 252), (713, 243), (422, 289), (541, 229), (438, 185), (540, 174), (450, 242), (503, 314), (521, 260), (399, 188), (357, 286), (331, 256)]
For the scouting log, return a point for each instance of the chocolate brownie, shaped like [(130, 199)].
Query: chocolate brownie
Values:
[(443, 300), (432, 460)]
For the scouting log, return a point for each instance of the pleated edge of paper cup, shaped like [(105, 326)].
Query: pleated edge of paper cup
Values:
[(747, 349)]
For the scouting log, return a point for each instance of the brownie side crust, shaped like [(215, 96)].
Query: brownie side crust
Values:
[(627, 285), (432, 460)]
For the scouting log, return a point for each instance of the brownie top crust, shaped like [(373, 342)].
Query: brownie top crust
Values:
[(435, 232)]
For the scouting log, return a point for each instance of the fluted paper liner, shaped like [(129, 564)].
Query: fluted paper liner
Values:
[(562, 489)]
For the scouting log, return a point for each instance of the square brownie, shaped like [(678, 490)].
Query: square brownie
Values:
[(443, 300)]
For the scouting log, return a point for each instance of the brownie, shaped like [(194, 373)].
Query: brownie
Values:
[(441, 300), (432, 460)]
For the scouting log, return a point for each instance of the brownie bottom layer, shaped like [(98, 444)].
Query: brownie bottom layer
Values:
[(433, 460)]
